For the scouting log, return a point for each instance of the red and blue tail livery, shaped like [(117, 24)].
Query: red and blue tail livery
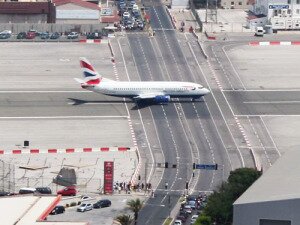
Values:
[(91, 77)]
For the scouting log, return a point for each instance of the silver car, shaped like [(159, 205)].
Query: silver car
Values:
[(85, 207)]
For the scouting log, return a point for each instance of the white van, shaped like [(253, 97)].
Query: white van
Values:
[(27, 191), (259, 31)]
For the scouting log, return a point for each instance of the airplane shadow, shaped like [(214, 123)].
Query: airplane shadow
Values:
[(137, 104)]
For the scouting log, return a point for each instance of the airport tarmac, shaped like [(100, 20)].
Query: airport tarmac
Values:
[(269, 75), (40, 102)]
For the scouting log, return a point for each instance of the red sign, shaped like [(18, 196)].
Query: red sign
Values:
[(108, 177)]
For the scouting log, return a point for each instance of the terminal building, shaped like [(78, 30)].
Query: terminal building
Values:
[(280, 14), (274, 199)]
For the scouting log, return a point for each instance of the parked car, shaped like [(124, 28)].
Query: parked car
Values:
[(126, 15), (94, 35), (85, 197), (30, 35), (73, 35), (259, 31), (44, 190), (178, 222), (68, 191), (57, 210), (85, 207), (27, 191), (55, 35), (5, 35), (21, 35), (194, 218), (182, 218), (102, 203), (4, 193), (45, 35)]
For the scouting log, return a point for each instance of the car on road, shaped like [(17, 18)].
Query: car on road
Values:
[(43, 190), (21, 35), (94, 35), (85, 207), (55, 35), (68, 191), (73, 35), (178, 222), (194, 218), (192, 203), (102, 203), (57, 210), (126, 15), (188, 209), (182, 218), (85, 197)]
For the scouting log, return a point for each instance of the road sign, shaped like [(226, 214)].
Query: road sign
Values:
[(206, 166)]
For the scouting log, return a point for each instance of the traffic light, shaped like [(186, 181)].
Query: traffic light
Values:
[(166, 165), (194, 166)]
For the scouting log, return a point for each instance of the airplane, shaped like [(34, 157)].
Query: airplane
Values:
[(157, 91)]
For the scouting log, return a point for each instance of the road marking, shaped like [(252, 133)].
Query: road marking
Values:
[(272, 102), (96, 103), (266, 115), (59, 117), (269, 90)]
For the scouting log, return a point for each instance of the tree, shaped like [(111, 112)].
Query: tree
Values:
[(135, 206), (124, 219), (220, 204), (203, 220)]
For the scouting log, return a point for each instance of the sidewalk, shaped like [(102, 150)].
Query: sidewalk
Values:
[(184, 16)]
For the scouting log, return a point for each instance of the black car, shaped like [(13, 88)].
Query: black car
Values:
[(44, 190), (5, 35), (55, 35), (44, 35), (57, 210), (4, 193), (94, 35), (21, 35), (102, 203)]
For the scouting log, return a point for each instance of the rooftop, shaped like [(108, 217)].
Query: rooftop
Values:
[(77, 2), (29, 209), (279, 182)]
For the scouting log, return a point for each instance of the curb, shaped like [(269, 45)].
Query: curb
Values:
[(267, 43), (94, 41), (67, 150)]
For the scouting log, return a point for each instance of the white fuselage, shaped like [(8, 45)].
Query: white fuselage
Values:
[(136, 89)]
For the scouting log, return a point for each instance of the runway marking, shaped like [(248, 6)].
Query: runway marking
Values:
[(97, 103), (45, 91), (266, 115), (269, 90), (272, 102), (59, 117)]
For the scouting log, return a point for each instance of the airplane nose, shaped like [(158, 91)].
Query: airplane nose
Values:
[(206, 91)]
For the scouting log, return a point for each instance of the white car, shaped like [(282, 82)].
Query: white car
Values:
[(126, 15), (85, 197), (177, 222), (85, 207), (194, 218), (5, 32), (135, 7), (73, 35)]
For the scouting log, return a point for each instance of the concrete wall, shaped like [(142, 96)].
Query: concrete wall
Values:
[(24, 27), (23, 18), (237, 4), (251, 213)]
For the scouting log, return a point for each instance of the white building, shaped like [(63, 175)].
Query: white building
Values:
[(274, 199), (281, 14)]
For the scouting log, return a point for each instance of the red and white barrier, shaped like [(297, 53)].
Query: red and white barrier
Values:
[(267, 43), (67, 150)]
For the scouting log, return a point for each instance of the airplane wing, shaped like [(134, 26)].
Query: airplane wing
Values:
[(148, 96)]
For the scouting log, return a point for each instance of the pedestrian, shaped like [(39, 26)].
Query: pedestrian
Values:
[(143, 186), (166, 185), (119, 189)]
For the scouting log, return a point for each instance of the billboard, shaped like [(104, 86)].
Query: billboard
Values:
[(278, 6), (108, 177)]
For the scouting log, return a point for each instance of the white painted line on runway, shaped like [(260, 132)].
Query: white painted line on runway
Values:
[(59, 117), (96, 103), (256, 90), (272, 102), (266, 115)]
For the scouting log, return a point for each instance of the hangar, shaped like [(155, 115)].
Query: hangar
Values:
[(76, 12), (274, 199)]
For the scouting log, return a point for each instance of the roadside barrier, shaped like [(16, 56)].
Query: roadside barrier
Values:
[(267, 43)]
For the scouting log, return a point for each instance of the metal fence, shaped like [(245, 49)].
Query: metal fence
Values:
[(51, 27), (193, 10), (7, 177)]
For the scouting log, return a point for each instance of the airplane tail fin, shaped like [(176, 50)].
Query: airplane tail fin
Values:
[(91, 76)]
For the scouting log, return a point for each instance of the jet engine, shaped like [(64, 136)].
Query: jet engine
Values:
[(162, 98)]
